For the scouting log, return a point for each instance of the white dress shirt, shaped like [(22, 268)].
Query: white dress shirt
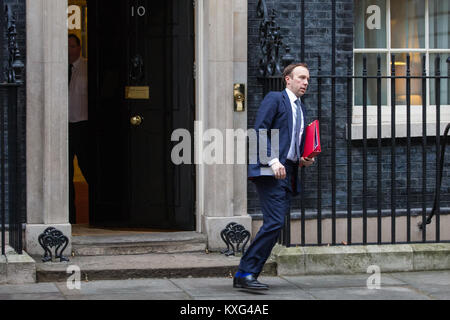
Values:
[(78, 91), (291, 153)]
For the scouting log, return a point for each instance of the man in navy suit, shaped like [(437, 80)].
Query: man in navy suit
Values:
[(282, 115)]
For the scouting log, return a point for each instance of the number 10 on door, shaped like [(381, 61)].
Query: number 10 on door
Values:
[(140, 11)]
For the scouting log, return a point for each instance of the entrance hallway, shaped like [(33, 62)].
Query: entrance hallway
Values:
[(141, 89), (84, 229)]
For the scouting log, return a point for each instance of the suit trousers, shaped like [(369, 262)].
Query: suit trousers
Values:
[(275, 199), (78, 146)]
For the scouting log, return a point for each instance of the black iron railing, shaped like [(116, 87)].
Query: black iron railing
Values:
[(9, 142), (438, 185), (357, 164), (2, 181), (275, 83), (9, 169)]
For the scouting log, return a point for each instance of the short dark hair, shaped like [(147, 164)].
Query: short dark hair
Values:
[(74, 36), (288, 70)]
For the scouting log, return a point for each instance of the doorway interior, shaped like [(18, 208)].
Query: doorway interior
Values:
[(141, 87)]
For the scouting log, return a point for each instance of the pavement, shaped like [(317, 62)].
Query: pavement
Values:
[(429, 285)]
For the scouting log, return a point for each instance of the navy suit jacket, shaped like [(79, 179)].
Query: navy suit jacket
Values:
[(275, 112)]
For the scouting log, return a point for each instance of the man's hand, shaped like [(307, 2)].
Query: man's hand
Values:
[(306, 162), (279, 170)]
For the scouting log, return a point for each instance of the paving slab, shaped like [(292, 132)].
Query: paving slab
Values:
[(222, 288), (133, 296), (394, 286), (440, 295), (437, 278), (39, 288), (143, 287), (433, 283), (357, 293), (242, 295), (339, 281), (32, 296), (196, 287)]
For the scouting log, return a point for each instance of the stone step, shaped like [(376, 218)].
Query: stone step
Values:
[(138, 243), (16, 268), (152, 265), (141, 255)]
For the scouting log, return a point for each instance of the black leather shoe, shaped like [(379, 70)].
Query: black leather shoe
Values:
[(249, 282), (235, 282)]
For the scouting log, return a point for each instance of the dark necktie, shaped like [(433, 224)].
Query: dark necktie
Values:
[(70, 71), (297, 128)]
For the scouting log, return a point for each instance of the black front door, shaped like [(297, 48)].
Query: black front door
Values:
[(141, 88)]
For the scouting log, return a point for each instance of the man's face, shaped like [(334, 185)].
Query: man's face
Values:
[(298, 81), (74, 50)]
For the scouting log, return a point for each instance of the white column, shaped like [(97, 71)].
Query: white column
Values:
[(224, 62), (240, 44), (47, 114)]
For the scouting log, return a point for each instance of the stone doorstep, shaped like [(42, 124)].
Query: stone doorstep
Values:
[(17, 268), (357, 259), (119, 267), (139, 238), (174, 242), (131, 249), (123, 274)]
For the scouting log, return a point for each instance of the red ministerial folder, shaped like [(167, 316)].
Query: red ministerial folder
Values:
[(312, 140)]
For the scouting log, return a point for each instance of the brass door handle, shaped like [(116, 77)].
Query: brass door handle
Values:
[(239, 97), (136, 120)]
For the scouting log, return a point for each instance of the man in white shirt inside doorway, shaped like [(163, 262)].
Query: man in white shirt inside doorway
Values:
[(78, 117)]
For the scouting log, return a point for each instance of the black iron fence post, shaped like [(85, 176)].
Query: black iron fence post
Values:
[(364, 187), (393, 149), (15, 223), (379, 152), (408, 149), (2, 157), (2, 177), (349, 148), (9, 108), (438, 142), (9, 158), (333, 122), (424, 149), (319, 163)]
